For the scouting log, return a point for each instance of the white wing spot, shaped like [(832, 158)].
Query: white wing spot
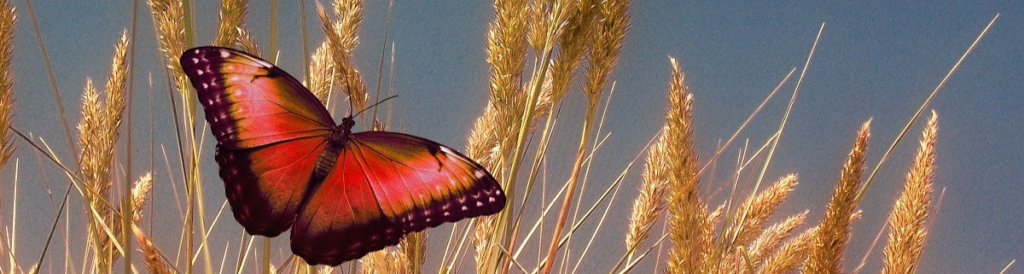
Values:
[(464, 208), (490, 199), (447, 150), (206, 86), (224, 54), (479, 204), (195, 60), (196, 51), (199, 71), (479, 174)]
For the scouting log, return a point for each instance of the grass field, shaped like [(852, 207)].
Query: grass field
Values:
[(686, 218)]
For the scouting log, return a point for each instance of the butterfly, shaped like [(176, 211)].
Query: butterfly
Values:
[(286, 164)]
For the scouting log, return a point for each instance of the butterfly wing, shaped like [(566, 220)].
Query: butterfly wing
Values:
[(270, 131), (383, 186), (250, 102), (265, 185)]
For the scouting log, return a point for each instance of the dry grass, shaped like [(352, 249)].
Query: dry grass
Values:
[(826, 252), (907, 221), (689, 222), (98, 135), (342, 39), (564, 38)]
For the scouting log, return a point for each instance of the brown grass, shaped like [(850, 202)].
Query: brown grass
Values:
[(907, 221)]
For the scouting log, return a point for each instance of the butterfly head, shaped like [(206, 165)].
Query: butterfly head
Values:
[(343, 130)]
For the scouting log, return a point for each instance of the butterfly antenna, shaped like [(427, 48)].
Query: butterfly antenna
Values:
[(374, 105)]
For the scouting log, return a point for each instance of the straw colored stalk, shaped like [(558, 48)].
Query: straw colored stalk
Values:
[(321, 71), (689, 223), (834, 231), (907, 221), (342, 38), (169, 18), (613, 18), (232, 16), (7, 22), (151, 255), (98, 137), (248, 44), (749, 220)]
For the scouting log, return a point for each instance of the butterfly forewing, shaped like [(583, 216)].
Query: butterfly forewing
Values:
[(250, 102)]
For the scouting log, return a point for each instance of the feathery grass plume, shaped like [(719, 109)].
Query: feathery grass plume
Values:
[(757, 208), (232, 16), (414, 247), (688, 216), (343, 38), (790, 255), (572, 45), (98, 137), (506, 53), (169, 18), (604, 49), (493, 135), (321, 71), (7, 22), (248, 44), (826, 252), (907, 221), (139, 193), (771, 238), (152, 257), (648, 207), (385, 261)]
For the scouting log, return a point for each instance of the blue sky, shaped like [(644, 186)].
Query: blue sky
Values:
[(876, 60)]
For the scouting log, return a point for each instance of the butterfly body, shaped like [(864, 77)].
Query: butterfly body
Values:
[(286, 165)]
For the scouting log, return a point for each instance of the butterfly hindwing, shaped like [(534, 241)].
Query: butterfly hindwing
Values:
[(341, 219), (383, 186), (250, 102), (266, 185)]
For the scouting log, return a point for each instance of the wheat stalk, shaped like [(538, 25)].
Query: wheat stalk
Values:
[(907, 220), (826, 252)]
